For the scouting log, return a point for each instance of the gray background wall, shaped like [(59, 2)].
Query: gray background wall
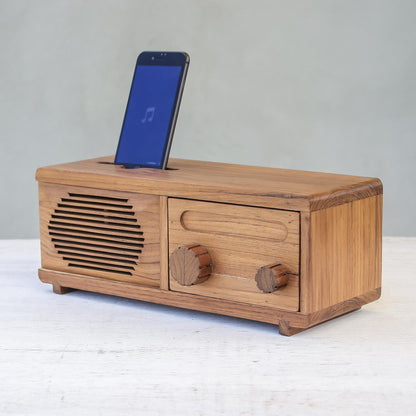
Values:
[(321, 85)]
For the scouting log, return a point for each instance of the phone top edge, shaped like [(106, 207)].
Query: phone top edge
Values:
[(163, 58)]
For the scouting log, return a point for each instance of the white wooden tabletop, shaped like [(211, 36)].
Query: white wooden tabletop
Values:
[(90, 354)]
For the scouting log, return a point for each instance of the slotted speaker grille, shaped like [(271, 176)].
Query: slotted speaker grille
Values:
[(97, 233)]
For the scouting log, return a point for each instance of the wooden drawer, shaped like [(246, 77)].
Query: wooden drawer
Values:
[(240, 240)]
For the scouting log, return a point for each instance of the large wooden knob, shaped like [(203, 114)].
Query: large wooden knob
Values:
[(190, 265), (271, 277)]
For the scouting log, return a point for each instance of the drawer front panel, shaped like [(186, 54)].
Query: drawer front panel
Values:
[(240, 240), (99, 233)]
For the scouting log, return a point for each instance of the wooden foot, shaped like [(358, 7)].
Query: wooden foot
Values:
[(61, 290), (286, 329)]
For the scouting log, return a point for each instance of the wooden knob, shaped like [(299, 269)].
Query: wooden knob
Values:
[(190, 264), (269, 278)]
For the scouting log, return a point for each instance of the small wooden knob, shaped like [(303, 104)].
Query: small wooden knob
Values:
[(269, 278), (190, 265)]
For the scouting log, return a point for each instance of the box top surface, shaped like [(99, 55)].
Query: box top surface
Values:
[(221, 182)]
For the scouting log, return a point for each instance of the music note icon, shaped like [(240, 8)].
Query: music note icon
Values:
[(148, 115)]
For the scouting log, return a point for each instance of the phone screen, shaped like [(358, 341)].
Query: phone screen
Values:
[(149, 112)]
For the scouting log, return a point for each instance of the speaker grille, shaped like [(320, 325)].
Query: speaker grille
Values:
[(97, 233)]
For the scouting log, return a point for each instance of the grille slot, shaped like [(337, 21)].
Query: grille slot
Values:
[(86, 207), (93, 221), (82, 243), (98, 203), (89, 215), (74, 255), (83, 266), (88, 250), (81, 233), (96, 232), (97, 197), (93, 227)]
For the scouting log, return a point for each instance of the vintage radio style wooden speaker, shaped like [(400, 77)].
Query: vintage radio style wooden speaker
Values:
[(287, 247)]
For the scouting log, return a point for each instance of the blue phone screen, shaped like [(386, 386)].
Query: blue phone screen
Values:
[(148, 114)]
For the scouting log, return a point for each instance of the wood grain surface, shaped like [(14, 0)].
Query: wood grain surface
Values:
[(211, 181), (239, 240), (272, 277), (345, 252), (164, 244), (190, 264)]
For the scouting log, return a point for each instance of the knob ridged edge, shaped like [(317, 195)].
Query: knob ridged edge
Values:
[(272, 277), (190, 264)]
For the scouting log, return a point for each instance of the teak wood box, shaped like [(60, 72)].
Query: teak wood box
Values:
[(112, 230)]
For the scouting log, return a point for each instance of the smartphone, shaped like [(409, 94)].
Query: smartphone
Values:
[(152, 109)]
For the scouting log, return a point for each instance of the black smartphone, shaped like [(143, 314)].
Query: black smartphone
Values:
[(152, 109)]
